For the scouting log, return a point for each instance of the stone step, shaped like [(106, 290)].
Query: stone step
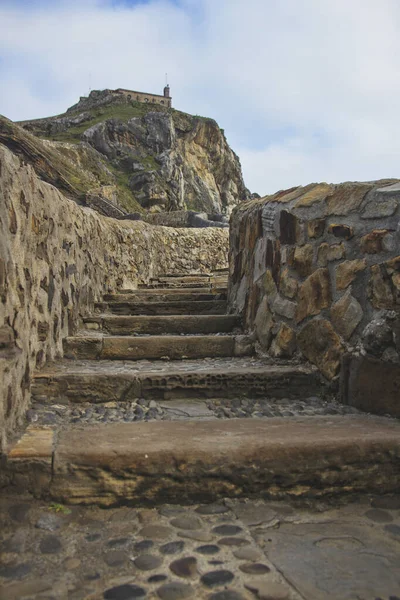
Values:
[(169, 307), (165, 295), (188, 282), (106, 381), (173, 347), (204, 461), (158, 325)]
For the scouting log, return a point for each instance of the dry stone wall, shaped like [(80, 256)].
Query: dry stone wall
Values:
[(57, 259), (316, 271)]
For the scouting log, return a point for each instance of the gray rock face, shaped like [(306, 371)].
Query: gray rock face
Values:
[(171, 168), (158, 158)]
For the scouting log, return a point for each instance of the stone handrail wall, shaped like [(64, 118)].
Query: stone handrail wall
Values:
[(315, 271), (58, 258)]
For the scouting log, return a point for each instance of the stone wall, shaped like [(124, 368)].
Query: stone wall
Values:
[(57, 258), (316, 272)]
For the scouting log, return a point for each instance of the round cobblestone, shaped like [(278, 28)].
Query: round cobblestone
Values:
[(143, 545), (147, 562), (233, 541), (175, 591), (157, 578), (254, 569), (208, 549), (184, 567), (379, 516), (215, 578), (172, 547), (124, 592), (227, 530), (50, 545)]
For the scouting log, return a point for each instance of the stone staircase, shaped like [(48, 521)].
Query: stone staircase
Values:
[(160, 398)]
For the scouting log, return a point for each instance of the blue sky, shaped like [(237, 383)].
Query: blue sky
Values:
[(306, 90)]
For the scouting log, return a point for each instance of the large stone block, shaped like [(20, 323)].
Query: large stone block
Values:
[(315, 228), (346, 314), (380, 290), (330, 252), (347, 271), (263, 324), (303, 259), (284, 343), (374, 241), (322, 346), (314, 294), (347, 198), (283, 307), (288, 285), (371, 385)]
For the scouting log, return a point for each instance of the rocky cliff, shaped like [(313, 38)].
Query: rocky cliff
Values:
[(135, 156)]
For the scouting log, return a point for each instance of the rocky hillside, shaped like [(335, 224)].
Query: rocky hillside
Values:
[(132, 156)]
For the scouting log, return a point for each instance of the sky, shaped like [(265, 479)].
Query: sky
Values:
[(306, 90)]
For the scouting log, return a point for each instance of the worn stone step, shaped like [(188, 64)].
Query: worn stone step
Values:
[(203, 461), (158, 325), (165, 295), (155, 346), (188, 281), (169, 307), (105, 381)]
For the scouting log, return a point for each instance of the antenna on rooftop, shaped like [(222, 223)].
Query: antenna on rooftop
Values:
[(166, 79)]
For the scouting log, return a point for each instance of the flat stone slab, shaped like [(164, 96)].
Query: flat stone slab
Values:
[(169, 307), (206, 460), (105, 381), (158, 325), (152, 347)]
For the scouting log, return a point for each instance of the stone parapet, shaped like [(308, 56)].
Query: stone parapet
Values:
[(57, 259), (316, 270)]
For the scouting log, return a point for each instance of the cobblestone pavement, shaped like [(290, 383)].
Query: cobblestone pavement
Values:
[(235, 550), (146, 410)]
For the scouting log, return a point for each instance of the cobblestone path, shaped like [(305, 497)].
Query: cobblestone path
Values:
[(170, 461)]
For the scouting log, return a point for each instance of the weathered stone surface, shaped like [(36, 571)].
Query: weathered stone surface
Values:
[(312, 194), (279, 451), (329, 252), (377, 336), (347, 271), (283, 307), (347, 198), (346, 314), (288, 285), (263, 323), (62, 258), (314, 294), (268, 590), (303, 258), (321, 345), (380, 290), (371, 385), (315, 228), (284, 343), (373, 242)]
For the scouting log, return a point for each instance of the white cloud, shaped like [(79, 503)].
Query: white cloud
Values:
[(306, 89)]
